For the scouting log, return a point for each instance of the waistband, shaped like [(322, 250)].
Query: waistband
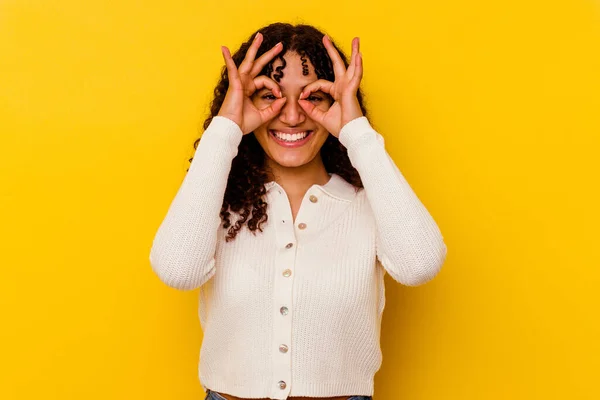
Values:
[(210, 395)]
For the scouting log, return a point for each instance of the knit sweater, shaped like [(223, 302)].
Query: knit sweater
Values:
[(296, 310)]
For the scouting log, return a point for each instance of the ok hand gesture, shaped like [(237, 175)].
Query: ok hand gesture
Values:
[(345, 107), (243, 82)]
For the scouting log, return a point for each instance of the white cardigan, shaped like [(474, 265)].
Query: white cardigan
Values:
[(296, 310)]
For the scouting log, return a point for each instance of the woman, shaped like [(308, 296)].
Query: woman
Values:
[(296, 211)]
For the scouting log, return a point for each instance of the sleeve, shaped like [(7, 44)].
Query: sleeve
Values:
[(410, 245), (183, 249)]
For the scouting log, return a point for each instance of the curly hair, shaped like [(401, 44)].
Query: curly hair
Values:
[(245, 191)]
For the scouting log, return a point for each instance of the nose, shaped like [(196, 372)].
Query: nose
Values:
[(291, 113)]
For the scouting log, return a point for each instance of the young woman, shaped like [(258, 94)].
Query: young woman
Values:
[(289, 216)]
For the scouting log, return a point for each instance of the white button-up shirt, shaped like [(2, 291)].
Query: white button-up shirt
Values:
[(296, 310)]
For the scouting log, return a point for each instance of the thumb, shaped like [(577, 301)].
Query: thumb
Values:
[(273, 109), (313, 112)]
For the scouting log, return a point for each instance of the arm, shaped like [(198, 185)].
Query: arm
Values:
[(410, 245), (183, 249)]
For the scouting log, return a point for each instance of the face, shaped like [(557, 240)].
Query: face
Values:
[(291, 139)]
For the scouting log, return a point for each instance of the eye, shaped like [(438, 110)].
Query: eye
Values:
[(314, 98), (268, 96)]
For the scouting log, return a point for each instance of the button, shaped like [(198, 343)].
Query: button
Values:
[(313, 198), (287, 273), (283, 348), (283, 310), (282, 385), (289, 245), (302, 225)]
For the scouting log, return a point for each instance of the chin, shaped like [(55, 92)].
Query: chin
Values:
[(287, 159)]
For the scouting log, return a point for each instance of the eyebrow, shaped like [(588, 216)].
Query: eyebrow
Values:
[(282, 87)]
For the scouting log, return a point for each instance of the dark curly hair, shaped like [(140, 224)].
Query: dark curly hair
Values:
[(245, 192)]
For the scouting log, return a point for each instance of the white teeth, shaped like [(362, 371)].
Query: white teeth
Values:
[(288, 137)]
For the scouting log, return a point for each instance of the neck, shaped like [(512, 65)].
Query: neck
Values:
[(297, 180)]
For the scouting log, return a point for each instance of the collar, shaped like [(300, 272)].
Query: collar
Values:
[(336, 187)]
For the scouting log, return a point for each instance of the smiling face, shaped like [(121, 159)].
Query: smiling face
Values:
[(292, 139)]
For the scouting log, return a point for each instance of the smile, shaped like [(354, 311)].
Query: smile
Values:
[(290, 139)]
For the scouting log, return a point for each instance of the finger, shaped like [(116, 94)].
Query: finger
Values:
[(232, 72), (264, 59), (338, 65), (352, 66), (246, 64), (264, 81), (320, 84), (272, 110), (358, 72), (313, 112)]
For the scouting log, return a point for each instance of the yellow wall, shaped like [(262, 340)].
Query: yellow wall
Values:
[(490, 108)]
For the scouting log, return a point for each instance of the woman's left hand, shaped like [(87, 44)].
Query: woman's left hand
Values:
[(345, 107)]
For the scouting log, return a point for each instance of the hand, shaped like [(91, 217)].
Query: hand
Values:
[(238, 105), (346, 106)]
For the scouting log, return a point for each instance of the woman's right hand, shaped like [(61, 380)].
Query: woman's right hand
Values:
[(238, 105)]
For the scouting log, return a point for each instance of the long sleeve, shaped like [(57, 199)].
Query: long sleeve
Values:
[(183, 249), (410, 245)]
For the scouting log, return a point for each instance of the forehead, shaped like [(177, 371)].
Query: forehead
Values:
[(293, 73)]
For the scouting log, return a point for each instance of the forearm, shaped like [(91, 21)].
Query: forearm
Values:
[(183, 249), (410, 245)]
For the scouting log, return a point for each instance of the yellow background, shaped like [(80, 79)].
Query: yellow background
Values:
[(490, 109)]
